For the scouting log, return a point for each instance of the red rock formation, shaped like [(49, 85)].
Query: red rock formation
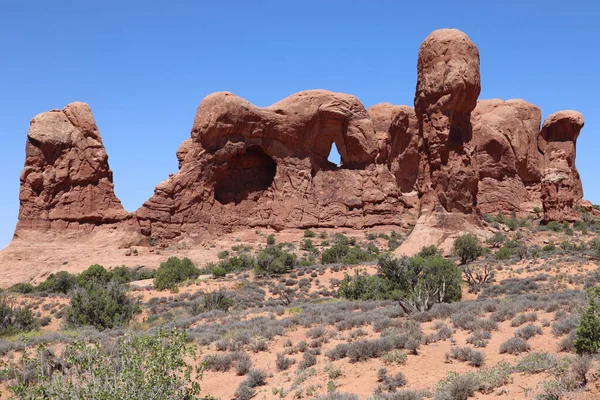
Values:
[(66, 181), (506, 155), (451, 158), (448, 84), (246, 166), (561, 185)]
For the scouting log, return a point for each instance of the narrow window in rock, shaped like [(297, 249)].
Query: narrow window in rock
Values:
[(334, 155)]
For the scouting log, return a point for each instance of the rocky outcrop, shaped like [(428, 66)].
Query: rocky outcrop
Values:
[(246, 166), (507, 158), (561, 185), (449, 159), (66, 181)]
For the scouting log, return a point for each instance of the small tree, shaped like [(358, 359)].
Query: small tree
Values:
[(467, 248), (274, 260), (174, 271), (102, 306), (587, 336)]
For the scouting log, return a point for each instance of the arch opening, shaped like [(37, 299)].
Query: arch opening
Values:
[(245, 176)]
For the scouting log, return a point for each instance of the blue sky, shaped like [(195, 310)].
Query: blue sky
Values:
[(144, 66)]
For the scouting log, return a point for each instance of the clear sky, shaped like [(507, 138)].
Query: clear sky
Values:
[(144, 66)]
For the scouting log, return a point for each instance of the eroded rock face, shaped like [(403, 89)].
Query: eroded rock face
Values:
[(449, 159), (448, 84), (561, 185), (267, 167), (66, 181), (507, 158)]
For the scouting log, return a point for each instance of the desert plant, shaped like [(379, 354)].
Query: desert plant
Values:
[(174, 271), (467, 248), (587, 336), (139, 367), (102, 306), (515, 345), (274, 260)]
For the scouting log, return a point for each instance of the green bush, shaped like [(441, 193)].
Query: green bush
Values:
[(309, 234), (217, 301), (102, 306), (274, 260), (496, 240), (138, 367), (14, 319), (467, 248), (549, 247), (587, 336), (364, 287), (271, 240), (61, 282), (23, 288), (430, 251), (174, 271), (416, 282), (95, 274), (503, 254)]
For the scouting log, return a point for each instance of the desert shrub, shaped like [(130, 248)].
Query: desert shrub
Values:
[(549, 247), (23, 288), (337, 396), (61, 282), (479, 338), (14, 319), (242, 365), (566, 344), (580, 366), (522, 318), (217, 300), (155, 365), (94, 275), (174, 271), (124, 274), (535, 363), (478, 275), (102, 306), (274, 260), (503, 254), (473, 357), (394, 357), (271, 240), (496, 240), (256, 377), (309, 234), (224, 362), (565, 325), (467, 248), (389, 383), (528, 331), (244, 392), (362, 287), (515, 345), (421, 282), (457, 387), (587, 336), (309, 358), (430, 251), (282, 362)]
